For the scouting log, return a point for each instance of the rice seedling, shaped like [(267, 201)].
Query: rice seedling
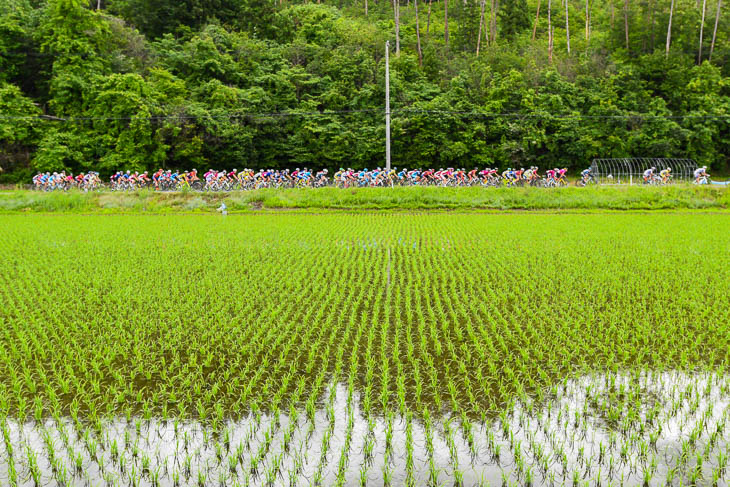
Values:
[(406, 348)]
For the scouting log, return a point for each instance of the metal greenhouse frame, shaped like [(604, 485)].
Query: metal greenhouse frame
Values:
[(630, 170)]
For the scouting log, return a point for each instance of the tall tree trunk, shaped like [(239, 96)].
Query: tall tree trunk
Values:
[(550, 32), (487, 35), (702, 29), (588, 23), (418, 35), (626, 23), (714, 32), (428, 19), (647, 33), (366, 8), (537, 18), (98, 4), (481, 23), (612, 13), (446, 22), (651, 40), (396, 12), (669, 28), (496, 11), (567, 26)]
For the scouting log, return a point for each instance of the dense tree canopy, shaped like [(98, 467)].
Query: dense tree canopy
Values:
[(138, 84)]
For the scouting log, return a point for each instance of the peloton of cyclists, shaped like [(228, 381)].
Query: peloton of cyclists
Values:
[(214, 179)]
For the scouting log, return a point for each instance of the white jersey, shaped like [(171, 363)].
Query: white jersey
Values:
[(648, 173), (699, 172)]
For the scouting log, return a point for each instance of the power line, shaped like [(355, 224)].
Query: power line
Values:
[(314, 114), (557, 117), (232, 115)]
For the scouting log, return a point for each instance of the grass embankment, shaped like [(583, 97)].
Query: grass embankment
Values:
[(412, 198)]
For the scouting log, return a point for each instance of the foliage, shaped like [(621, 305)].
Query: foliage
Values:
[(18, 128), (206, 83)]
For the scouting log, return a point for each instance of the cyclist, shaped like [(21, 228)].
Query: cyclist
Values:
[(518, 175), (472, 176), (561, 174), (339, 177), (392, 174), (700, 173), (586, 175), (414, 176), (649, 175), (156, 178), (321, 177), (507, 175), (666, 175), (551, 175), (527, 174), (143, 179)]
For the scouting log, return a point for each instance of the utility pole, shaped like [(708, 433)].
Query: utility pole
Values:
[(669, 29), (387, 108)]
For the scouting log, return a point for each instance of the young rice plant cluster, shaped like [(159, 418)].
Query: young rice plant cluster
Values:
[(346, 349)]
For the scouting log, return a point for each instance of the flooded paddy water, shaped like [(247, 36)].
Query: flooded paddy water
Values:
[(665, 428)]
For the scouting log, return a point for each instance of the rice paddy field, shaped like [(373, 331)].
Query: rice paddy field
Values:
[(457, 349)]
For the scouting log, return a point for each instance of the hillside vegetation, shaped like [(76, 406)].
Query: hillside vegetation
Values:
[(139, 84)]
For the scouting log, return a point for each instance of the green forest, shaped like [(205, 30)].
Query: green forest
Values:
[(142, 84)]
